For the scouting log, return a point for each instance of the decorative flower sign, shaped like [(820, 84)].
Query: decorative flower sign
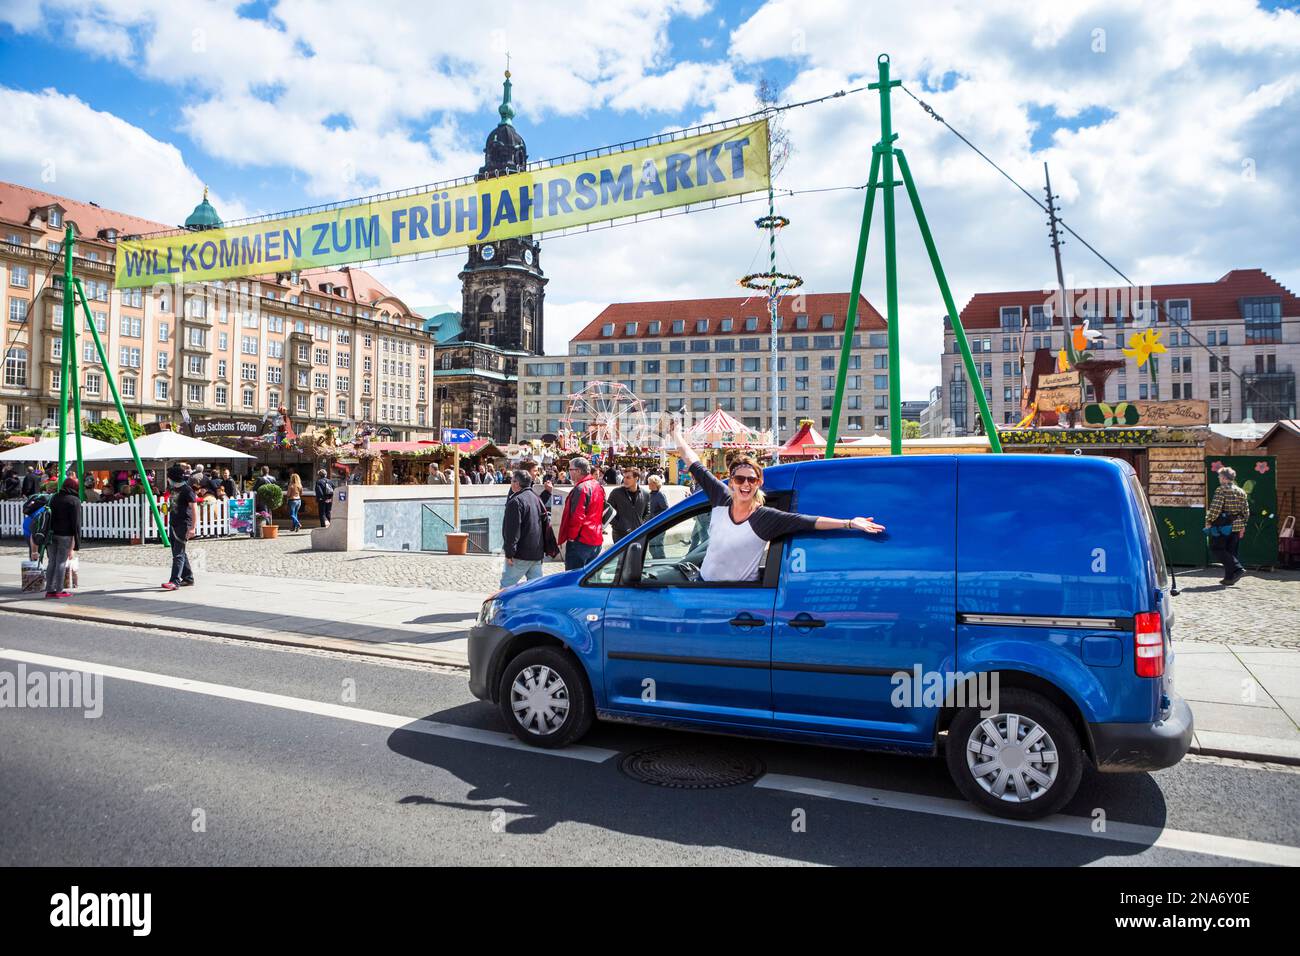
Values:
[(1143, 347), (1261, 467)]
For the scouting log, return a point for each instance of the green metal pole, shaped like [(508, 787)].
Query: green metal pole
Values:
[(126, 422), (74, 366), (69, 315), (850, 324), (887, 138), (971, 370)]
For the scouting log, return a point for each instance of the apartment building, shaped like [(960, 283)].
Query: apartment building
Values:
[(1234, 342), (702, 354), (332, 346)]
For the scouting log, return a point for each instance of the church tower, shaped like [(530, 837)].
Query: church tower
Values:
[(502, 284)]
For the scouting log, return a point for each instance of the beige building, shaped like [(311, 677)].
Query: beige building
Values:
[(703, 354), (332, 346), (1234, 342)]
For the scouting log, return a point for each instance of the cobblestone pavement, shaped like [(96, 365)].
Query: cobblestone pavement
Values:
[(291, 556), (1263, 609)]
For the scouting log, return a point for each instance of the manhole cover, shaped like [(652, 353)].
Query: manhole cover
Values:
[(691, 767)]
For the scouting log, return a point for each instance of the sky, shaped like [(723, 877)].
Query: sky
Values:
[(1170, 129)]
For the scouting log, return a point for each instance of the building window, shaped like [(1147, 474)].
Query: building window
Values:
[(14, 417), (19, 277), (17, 310), (16, 368), (220, 394), (94, 381), (194, 394), (160, 389), (250, 397), (1263, 317)]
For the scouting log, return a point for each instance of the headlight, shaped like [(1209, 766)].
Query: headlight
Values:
[(488, 612)]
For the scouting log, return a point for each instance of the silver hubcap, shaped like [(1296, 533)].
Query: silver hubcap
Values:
[(1012, 758), (540, 699)]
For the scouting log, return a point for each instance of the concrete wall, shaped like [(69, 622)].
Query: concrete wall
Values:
[(361, 510)]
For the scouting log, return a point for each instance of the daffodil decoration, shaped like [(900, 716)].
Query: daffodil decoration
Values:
[(1143, 347)]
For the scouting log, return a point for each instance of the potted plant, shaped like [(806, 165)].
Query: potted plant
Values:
[(269, 497)]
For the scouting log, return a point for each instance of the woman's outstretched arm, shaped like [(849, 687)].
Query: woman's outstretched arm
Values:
[(685, 451)]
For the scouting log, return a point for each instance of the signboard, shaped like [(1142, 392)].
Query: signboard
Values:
[(1049, 399), (240, 511), (456, 436), (214, 427), (1059, 380), (1192, 411), (700, 168)]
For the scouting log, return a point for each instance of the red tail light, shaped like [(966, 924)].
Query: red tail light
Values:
[(1148, 644)]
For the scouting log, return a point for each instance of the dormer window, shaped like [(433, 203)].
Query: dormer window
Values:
[(55, 218)]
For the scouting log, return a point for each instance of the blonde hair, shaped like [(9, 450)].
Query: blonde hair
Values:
[(1231, 473), (745, 461), (654, 481), (295, 482)]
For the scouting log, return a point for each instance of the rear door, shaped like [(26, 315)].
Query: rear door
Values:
[(853, 610)]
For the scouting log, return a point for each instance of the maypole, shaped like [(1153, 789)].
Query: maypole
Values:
[(882, 159)]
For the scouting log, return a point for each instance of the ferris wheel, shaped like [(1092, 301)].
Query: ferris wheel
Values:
[(608, 414)]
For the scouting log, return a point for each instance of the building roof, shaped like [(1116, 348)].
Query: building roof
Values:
[(204, 215), (17, 203), (1211, 301), (1290, 425), (739, 308)]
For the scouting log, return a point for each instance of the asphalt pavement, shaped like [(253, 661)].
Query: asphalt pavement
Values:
[(223, 752)]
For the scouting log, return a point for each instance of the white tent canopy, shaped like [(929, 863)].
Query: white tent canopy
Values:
[(173, 446), (92, 449)]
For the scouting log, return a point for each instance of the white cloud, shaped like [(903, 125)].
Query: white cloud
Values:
[(45, 146)]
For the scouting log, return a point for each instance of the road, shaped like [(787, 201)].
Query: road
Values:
[(219, 752)]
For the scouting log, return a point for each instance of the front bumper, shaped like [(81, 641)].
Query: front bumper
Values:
[(485, 643), (1120, 748)]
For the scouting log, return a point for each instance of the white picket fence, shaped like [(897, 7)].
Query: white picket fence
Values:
[(123, 519)]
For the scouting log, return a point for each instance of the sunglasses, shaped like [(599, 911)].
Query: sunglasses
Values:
[(744, 479)]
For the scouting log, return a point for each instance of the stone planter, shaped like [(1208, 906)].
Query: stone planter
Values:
[(457, 542)]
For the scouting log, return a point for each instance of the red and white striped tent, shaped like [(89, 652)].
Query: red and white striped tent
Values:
[(721, 430)]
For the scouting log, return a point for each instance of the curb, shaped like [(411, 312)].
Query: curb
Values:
[(1256, 756), (237, 632)]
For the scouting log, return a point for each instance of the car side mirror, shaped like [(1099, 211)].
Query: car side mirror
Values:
[(632, 562)]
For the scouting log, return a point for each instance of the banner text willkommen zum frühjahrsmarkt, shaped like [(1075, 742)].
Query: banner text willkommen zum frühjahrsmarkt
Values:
[(694, 169)]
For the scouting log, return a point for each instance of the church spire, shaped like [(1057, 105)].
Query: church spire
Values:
[(505, 110)]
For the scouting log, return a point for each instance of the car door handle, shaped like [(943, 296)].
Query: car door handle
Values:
[(806, 620), (747, 620)]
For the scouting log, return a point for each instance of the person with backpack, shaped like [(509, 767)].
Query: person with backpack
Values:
[(64, 536), (324, 497), (581, 527), (36, 523), (1226, 519)]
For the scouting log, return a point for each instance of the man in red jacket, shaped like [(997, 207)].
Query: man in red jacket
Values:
[(581, 533)]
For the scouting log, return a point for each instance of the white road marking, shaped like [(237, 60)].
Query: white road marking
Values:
[(1185, 840), (358, 715)]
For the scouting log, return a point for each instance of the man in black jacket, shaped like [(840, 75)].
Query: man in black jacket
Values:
[(628, 504), (324, 497), (65, 536), (522, 533)]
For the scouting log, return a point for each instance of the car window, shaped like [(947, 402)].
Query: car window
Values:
[(1153, 534), (607, 573)]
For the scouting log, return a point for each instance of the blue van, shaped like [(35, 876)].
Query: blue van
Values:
[(1017, 607)]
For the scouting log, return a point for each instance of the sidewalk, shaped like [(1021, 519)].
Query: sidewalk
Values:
[(415, 624), (1245, 698)]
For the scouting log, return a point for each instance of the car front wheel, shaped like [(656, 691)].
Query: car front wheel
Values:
[(545, 699), (1024, 762)]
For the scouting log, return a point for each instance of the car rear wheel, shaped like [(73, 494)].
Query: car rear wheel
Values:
[(1024, 762), (544, 698)]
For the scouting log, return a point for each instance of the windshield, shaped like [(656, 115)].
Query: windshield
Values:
[(1161, 572)]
